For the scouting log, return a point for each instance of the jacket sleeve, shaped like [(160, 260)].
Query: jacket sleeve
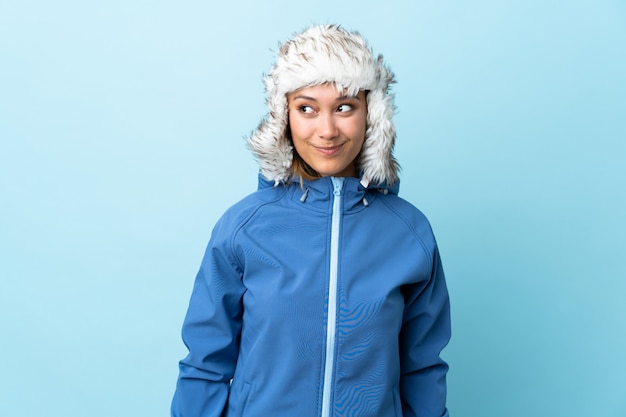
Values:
[(211, 333), (425, 332)]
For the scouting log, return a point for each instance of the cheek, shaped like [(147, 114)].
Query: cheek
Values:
[(359, 128), (295, 126)]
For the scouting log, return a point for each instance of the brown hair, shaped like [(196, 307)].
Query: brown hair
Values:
[(299, 168)]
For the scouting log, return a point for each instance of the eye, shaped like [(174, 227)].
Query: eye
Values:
[(344, 108), (306, 109)]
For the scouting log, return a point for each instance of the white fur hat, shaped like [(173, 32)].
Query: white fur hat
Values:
[(319, 55)]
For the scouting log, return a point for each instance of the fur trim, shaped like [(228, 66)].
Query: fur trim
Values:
[(328, 54)]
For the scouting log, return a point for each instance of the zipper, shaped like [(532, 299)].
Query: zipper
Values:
[(331, 324)]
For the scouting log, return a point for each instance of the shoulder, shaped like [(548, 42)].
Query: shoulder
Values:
[(415, 220), (237, 215)]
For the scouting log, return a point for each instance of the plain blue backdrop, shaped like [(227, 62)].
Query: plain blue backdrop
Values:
[(121, 143)]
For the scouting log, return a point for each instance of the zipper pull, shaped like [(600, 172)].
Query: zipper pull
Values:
[(338, 184)]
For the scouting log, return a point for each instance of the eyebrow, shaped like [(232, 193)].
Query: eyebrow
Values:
[(346, 97)]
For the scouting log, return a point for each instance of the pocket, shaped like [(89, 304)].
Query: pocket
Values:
[(371, 400), (243, 399), (397, 402)]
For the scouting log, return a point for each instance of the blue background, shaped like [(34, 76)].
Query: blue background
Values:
[(121, 143)]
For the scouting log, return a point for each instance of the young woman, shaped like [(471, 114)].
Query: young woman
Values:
[(321, 294)]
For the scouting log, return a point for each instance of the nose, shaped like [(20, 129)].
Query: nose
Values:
[(327, 128)]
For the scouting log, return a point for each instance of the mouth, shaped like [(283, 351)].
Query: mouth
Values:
[(328, 150)]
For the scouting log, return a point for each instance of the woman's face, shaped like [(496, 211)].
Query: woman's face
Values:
[(328, 128)]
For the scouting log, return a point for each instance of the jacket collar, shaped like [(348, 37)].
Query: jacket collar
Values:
[(320, 191)]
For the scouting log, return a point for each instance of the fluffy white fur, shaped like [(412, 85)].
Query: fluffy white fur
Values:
[(328, 54)]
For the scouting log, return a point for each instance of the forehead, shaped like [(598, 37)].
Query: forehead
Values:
[(327, 91)]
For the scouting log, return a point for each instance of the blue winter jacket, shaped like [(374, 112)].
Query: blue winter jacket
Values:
[(326, 299)]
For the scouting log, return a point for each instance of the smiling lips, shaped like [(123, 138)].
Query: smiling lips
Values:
[(328, 150)]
